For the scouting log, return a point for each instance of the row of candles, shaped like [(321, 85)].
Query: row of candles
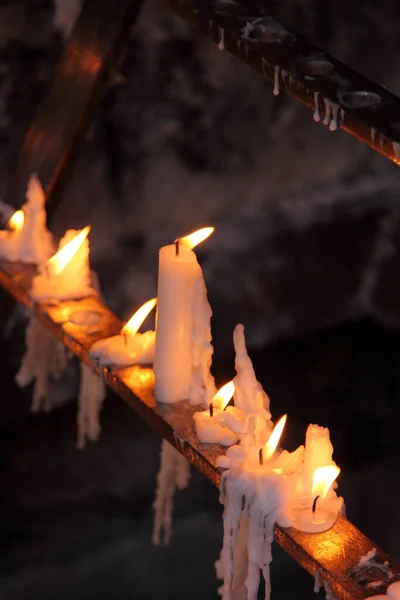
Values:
[(297, 488)]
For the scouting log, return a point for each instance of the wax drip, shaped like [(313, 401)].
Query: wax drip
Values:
[(317, 116), (373, 134), (221, 45), (276, 81), (334, 122), (174, 473)]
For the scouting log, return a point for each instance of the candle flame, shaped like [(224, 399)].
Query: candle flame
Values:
[(323, 479), (196, 237), (133, 325), (223, 396), (60, 260), (274, 438), (16, 222)]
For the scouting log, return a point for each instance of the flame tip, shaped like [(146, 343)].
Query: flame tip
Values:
[(135, 322)]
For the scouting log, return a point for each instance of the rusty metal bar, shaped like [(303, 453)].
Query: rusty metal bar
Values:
[(334, 554), (364, 109)]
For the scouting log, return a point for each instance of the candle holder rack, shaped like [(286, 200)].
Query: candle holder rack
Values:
[(248, 30)]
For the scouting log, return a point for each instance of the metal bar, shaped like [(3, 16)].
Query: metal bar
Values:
[(81, 78), (334, 554), (364, 109)]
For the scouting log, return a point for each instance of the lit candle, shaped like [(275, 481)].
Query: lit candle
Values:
[(209, 428), (129, 347), (318, 513), (27, 239), (66, 275), (183, 350)]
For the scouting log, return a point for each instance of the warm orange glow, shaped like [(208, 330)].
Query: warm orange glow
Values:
[(196, 237), (133, 325), (223, 396), (274, 438), (16, 222), (323, 479), (59, 261)]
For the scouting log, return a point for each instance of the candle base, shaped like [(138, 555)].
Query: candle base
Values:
[(313, 522)]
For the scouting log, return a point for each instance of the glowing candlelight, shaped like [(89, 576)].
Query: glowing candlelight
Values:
[(16, 223), (58, 262), (209, 428), (323, 479)]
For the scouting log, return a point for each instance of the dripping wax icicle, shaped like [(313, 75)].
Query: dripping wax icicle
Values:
[(276, 81), (317, 117)]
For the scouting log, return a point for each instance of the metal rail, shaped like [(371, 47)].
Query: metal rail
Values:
[(334, 554), (363, 108)]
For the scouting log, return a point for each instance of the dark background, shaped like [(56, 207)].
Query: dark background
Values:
[(305, 254)]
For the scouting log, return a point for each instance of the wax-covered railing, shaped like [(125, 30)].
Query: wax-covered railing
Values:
[(338, 556), (339, 96)]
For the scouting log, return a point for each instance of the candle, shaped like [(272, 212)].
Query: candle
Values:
[(393, 591), (209, 428), (318, 513), (129, 347), (27, 239), (66, 275), (44, 360), (183, 350)]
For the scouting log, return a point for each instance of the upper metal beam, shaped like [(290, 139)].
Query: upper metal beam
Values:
[(365, 109)]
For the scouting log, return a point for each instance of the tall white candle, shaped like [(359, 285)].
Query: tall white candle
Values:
[(183, 336)]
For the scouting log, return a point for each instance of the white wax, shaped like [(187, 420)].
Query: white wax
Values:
[(393, 590), (72, 283), (320, 520), (125, 351), (34, 243), (179, 285), (324, 517), (210, 432)]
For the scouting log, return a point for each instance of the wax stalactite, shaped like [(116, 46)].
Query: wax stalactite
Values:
[(92, 392), (129, 347), (209, 427), (183, 349), (27, 239), (173, 474), (44, 360), (66, 275)]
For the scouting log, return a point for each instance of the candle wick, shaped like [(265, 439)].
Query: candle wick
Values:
[(314, 505), (177, 247), (211, 409), (125, 338), (261, 457)]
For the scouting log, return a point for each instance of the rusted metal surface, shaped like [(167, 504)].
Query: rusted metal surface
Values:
[(82, 75), (246, 29), (334, 554)]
